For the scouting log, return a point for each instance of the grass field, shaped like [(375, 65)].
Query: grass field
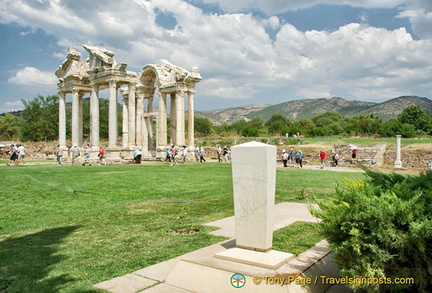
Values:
[(63, 229)]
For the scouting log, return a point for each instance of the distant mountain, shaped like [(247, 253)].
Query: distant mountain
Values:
[(312, 107), (230, 115), (393, 107), (309, 108)]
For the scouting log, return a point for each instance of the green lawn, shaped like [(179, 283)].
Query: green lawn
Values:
[(63, 229)]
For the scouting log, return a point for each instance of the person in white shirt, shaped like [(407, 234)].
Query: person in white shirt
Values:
[(59, 154), (21, 152)]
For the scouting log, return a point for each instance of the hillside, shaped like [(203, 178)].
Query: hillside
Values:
[(391, 108), (309, 108), (231, 114), (312, 107)]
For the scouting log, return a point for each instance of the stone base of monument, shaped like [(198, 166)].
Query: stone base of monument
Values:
[(201, 272), (271, 259)]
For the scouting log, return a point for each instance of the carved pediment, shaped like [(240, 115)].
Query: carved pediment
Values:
[(164, 73), (100, 57), (72, 65)]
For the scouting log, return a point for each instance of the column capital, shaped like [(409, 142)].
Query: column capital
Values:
[(132, 85), (112, 82)]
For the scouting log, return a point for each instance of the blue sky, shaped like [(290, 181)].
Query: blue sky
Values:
[(247, 51)]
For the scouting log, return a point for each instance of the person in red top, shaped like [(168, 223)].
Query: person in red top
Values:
[(101, 156), (353, 155), (322, 158)]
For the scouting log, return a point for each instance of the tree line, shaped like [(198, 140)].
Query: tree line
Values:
[(39, 122), (413, 121)]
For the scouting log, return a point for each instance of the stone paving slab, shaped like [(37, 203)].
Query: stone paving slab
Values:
[(164, 288), (129, 283)]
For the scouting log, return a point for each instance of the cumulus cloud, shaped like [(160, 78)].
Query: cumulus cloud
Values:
[(281, 6), (419, 13), (235, 54), (34, 77)]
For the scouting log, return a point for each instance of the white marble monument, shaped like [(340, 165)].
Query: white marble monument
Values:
[(254, 181)]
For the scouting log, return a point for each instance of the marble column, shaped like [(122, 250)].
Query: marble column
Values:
[(150, 141), (75, 117), (162, 123), (125, 126), (144, 123), (139, 113), (62, 119), (150, 105), (398, 162), (112, 108), (132, 116), (94, 117), (191, 120), (180, 119), (173, 119), (80, 120)]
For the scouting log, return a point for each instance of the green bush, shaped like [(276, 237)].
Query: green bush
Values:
[(382, 228)]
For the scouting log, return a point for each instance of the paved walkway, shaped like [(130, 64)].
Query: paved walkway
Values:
[(151, 279)]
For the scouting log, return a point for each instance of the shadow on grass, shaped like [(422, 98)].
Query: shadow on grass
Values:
[(26, 262)]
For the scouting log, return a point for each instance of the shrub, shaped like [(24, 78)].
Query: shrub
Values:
[(382, 228)]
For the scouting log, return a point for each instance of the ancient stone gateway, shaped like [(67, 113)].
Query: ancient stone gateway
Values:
[(138, 90)]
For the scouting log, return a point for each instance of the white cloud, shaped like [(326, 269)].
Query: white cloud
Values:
[(281, 6), (236, 56), (419, 13), (11, 106), (32, 76)]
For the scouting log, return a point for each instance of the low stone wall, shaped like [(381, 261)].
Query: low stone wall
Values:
[(410, 158)]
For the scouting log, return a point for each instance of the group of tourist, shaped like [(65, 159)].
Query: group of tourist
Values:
[(223, 154), (17, 155), (172, 155), (297, 157), (80, 156), (323, 157), (293, 157)]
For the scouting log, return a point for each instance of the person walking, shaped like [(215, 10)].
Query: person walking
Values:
[(184, 154), (75, 154), (13, 152), (292, 155), (285, 158), (196, 152), (353, 155), (87, 154), (322, 155), (219, 153), (101, 156), (201, 154), (173, 153), (335, 159), (59, 154), (299, 159), (21, 154)]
